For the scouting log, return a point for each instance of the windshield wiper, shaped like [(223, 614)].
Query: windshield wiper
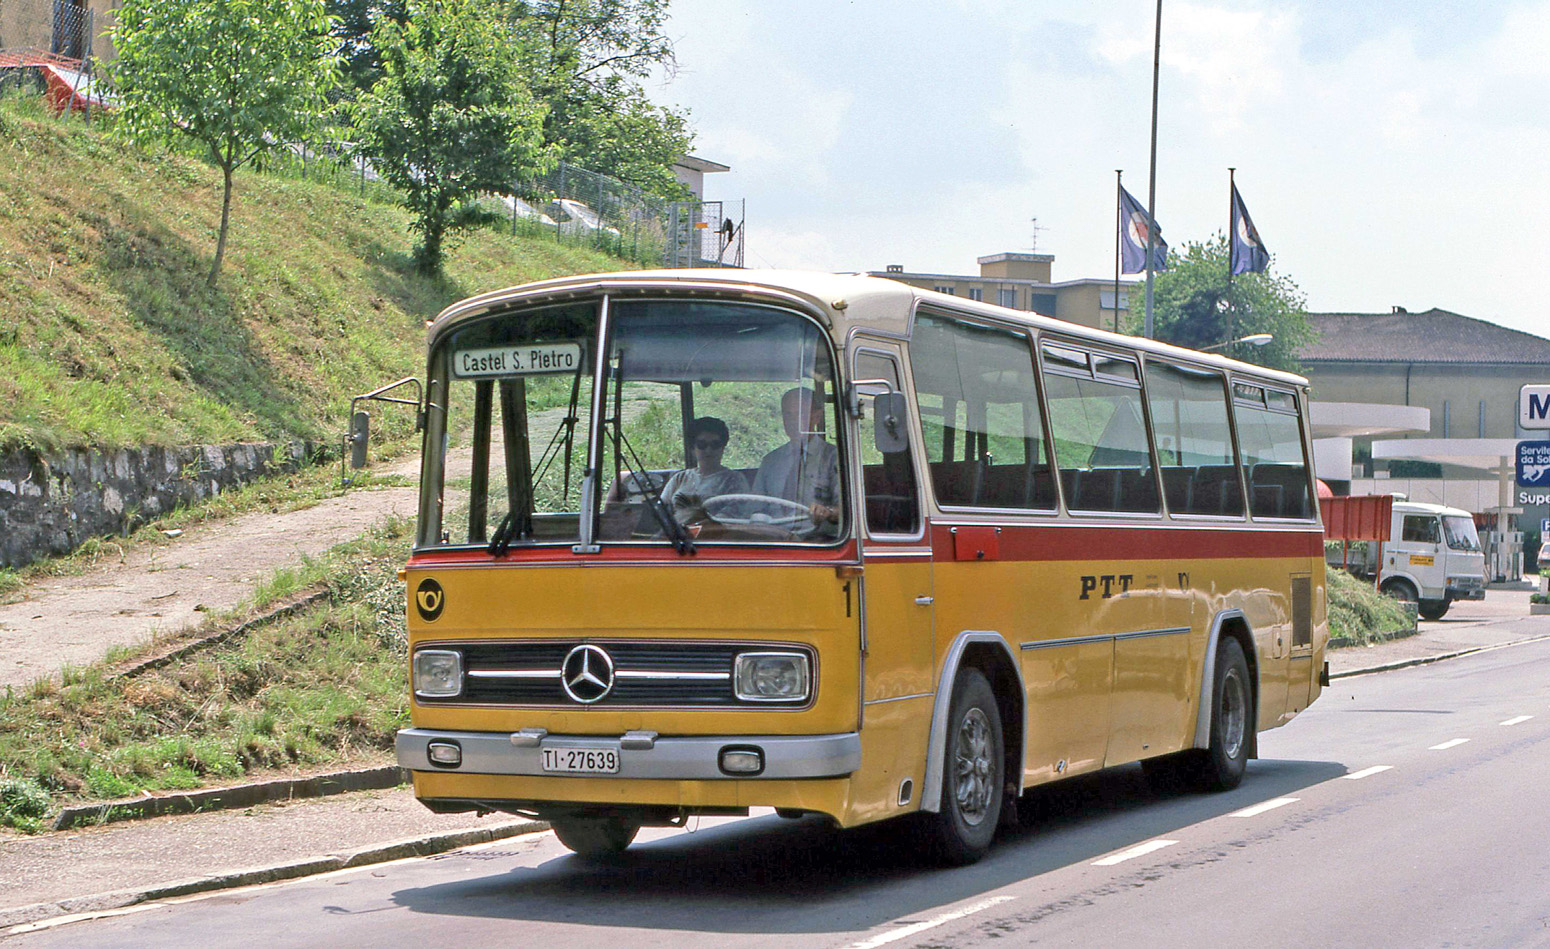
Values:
[(500, 541), (675, 531)]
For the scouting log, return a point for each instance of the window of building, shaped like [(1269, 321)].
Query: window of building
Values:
[(1006, 297), (943, 288), (976, 293)]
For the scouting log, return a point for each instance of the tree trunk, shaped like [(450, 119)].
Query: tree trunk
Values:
[(220, 243)]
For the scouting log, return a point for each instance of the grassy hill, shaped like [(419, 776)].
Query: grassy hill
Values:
[(110, 337)]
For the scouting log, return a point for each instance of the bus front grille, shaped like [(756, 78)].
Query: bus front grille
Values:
[(637, 674)]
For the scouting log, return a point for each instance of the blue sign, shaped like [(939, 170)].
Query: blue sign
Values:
[(1534, 464)]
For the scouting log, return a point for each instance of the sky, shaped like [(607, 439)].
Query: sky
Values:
[(1390, 153)]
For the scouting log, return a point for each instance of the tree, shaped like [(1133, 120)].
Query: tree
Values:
[(1193, 306), (586, 62), (239, 77), (450, 117), (353, 22)]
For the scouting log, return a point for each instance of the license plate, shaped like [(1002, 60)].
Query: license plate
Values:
[(581, 760)]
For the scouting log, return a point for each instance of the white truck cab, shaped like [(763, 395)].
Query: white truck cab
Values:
[(1432, 557)]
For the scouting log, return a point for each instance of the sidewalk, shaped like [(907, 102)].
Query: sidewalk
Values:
[(99, 868)]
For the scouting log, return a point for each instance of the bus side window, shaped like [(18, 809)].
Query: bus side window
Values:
[(1194, 440), (979, 408), (1101, 442), (888, 478), (1270, 439)]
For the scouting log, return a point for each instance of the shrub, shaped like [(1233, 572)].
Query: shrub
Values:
[(23, 805), (1359, 613)]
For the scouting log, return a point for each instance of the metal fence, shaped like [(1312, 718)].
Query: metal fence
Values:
[(58, 27), (580, 204)]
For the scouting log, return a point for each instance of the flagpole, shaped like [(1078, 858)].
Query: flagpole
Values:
[(1232, 312), (1151, 191), (1119, 224)]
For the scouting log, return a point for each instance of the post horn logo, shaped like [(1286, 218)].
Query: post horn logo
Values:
[(429, 599)]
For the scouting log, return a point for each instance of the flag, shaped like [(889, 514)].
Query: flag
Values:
[(1133, 224), (1248, 251)]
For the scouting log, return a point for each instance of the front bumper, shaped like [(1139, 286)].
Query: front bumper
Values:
[(679, 759), (1470, 592)]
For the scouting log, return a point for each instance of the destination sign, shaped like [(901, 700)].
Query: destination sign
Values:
[(527, 360)]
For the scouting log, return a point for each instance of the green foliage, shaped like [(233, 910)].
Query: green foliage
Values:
[(585, 62), (1193, 306), (322, 689), (23, 805), (1358, 613), (239, 77), (450, 116), (109, 336)]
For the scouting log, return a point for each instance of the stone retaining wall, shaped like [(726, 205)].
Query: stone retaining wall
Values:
[(51, 502)]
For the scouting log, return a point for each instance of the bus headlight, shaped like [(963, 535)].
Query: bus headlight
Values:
[(772, 677), (438, 673)]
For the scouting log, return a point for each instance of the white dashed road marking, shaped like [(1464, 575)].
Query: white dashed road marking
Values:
[(1368, 772), (1517, 721), (1452, 743), (904, 932), (1140, 850), (1261, 808)]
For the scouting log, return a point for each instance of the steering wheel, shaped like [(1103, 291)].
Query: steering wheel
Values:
[(721, 507)]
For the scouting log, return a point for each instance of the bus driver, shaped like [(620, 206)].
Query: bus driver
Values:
[(806, 468)]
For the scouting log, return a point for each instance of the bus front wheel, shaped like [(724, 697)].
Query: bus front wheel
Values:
[(1434, 609), (595, 837), (972, 773)]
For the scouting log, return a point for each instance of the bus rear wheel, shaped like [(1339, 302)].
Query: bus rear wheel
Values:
[(1434, 609), (595, 837), (973, 784), (1221, 766)]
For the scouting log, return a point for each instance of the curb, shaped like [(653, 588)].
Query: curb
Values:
[(241, 795), (183, 649), (21, 919), (1426, 660)]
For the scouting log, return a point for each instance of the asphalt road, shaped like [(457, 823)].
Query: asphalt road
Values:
[(1405, 809)]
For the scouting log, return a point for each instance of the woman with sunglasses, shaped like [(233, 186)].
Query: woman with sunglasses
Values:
[(687, 490)]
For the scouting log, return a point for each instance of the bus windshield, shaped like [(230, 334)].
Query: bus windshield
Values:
[(717, 425), (1460, 532)]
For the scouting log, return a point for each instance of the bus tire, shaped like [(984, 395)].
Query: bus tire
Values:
[(1221, 766), (1433, 609), (973, 791), (1402, 590), (595, 837)]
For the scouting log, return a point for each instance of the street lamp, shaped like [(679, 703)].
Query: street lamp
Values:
[(1253, 339)]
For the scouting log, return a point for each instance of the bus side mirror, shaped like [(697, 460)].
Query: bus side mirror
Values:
[(360, 434), (888, 417)]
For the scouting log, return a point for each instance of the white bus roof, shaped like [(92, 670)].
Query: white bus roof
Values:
[(845, 301)]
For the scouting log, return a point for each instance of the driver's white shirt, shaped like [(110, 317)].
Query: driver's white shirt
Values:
[(807, 472)]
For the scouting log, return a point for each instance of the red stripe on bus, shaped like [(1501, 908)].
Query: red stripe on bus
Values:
[(1048, 542)]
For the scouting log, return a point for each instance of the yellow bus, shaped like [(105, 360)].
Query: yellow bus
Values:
[(691, 542)]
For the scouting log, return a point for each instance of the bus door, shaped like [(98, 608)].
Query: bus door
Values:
[(896, 590)]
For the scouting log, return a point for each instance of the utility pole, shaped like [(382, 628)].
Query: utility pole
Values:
[(1151, 190)]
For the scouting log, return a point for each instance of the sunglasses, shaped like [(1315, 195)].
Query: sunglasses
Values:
[(709, 445)]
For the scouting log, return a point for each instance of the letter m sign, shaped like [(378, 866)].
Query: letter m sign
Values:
[(1534, 407)]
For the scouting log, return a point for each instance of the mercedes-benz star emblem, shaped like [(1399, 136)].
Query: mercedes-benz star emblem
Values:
[(587, 674)]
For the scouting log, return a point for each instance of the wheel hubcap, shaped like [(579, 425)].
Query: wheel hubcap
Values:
[(974, 769), (1234, 713)]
